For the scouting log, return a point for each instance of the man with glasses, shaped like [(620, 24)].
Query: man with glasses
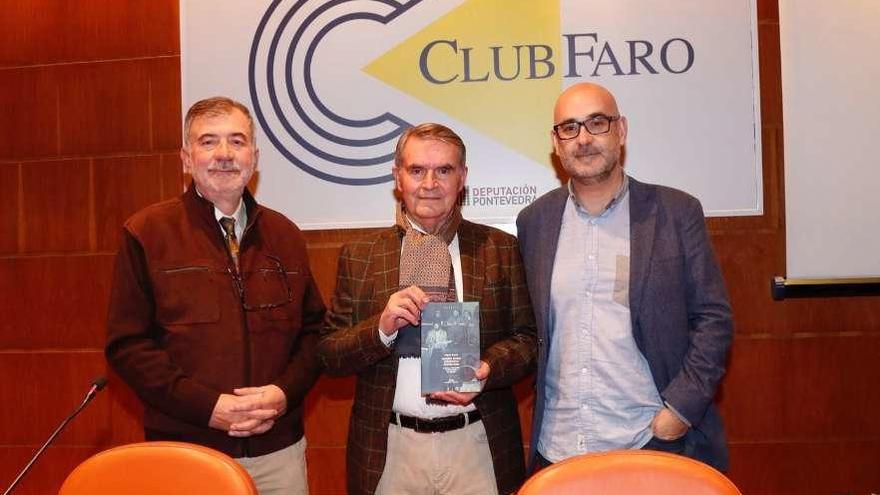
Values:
[(633, 317), (214, 315), (399, 441)]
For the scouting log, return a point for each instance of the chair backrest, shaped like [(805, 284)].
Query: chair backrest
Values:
[(628, 472), (169, 468)]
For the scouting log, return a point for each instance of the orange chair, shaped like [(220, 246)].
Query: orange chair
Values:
[(168, 468), (629, 472)]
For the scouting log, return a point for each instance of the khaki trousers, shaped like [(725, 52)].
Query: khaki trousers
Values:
[(280, 473), (455, 462)]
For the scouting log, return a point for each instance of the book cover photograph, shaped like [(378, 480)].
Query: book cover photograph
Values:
[(450, 347)]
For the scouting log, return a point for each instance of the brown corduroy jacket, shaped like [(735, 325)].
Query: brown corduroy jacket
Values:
[(179, 334), (492, 274)]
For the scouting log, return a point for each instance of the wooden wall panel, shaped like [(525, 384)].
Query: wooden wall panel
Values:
[(55, 197), (126, 411), (328, 408), (756, 371), (796, 387), (832, 395), (749, 260), (92, 117), (29, 34), (165, 116), (112, 30), (805, 318), (770, 66), (9, 182), (326, 470), (172, 175), (324, 247), (525, 395), (768, 10), (323, 263), (55, 31), (60, 302), (47, 475), (327, 411), (49, 386), (30, 109), (817, 466), (123, 185), (104, 107)]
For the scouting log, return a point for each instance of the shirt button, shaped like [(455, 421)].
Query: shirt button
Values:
[(583, 371), (590, 257)]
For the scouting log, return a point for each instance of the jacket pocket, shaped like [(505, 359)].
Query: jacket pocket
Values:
[(186, 294), (275, 292)]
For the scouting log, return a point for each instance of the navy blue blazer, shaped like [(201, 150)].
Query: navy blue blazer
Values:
[(681, 317)]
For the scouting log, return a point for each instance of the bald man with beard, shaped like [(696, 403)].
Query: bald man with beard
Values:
[(633, 317)]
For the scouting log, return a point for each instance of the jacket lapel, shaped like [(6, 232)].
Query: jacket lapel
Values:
[(546, 243), (643, 216), (472, 262)]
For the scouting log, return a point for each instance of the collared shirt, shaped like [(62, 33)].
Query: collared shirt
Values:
[(240, 216), (600, 394), (408, 397)]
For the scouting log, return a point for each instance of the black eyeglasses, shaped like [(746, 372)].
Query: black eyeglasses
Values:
[(267, 287), (595, 125)]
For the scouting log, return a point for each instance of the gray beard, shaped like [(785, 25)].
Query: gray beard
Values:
[(603, 176)]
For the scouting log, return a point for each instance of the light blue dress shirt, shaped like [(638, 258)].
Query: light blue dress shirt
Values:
[(600, 394)]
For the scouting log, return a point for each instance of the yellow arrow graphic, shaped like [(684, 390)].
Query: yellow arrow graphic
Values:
[(492, 64)]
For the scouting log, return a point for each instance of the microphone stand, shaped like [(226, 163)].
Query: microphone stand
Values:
[(97, 385)]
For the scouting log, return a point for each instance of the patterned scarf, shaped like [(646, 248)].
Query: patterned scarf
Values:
[(425, 262)]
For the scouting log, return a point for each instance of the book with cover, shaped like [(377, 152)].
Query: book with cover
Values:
[(450, 347)]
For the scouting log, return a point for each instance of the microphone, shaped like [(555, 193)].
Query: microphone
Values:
[(97, 384)]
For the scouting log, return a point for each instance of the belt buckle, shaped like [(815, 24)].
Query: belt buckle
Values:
[(424, 425)]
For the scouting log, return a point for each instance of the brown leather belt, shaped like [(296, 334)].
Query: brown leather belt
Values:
[(437, 425)]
